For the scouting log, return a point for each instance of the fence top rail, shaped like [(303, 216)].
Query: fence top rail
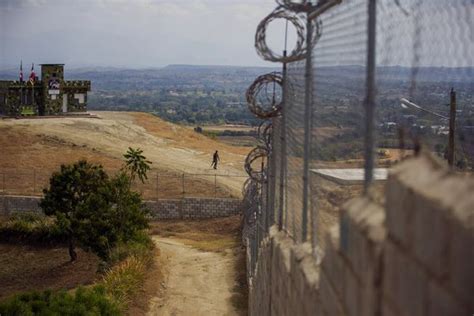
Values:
[(38, 172)]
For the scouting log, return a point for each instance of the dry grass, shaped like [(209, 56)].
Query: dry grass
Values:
[(124, 280), (216, 235), (33, 150), (23, 151), (229, 127), (151, 287), (185, 137)]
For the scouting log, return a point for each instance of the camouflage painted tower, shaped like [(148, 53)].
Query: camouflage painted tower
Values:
[(51, 95)]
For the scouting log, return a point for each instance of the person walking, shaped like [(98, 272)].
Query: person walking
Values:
[(215, 160)]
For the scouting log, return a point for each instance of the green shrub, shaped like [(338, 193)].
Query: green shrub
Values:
[(31, 228), (84, 301), (139, 247)]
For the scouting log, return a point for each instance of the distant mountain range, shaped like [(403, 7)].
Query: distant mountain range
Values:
[(238, 78)]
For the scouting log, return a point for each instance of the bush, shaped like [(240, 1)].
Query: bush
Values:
[(31, 228), (85, 301)]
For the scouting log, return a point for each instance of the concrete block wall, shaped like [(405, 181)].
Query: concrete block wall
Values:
[(429, 252), (9, 204), (188, 208), (286, 280), (194, 208), (415, 256)]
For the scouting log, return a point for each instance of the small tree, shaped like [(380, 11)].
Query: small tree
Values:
[(136, 164), (69, 193), (94, 210)]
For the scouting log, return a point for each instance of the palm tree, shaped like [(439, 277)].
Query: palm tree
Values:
[(137, 164)]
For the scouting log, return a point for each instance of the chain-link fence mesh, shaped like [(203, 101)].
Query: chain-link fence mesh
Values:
[(158, 185), (425, 50), (374, 88), (339, 72)]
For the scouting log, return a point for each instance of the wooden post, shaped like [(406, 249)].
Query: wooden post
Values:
[(452, 123), (157, 185), (215, 185), (183, 185), (34, 181)]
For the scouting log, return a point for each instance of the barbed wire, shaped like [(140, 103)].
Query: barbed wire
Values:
[(300, 49), (258, 108), (258, 152), (264, 134)]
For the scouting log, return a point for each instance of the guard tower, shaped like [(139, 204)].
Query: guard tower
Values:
[(52, 95), (52, 77)]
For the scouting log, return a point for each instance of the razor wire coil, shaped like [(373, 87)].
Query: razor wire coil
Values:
[(258, 152), (256, 88), (300, 50), (264, 134)]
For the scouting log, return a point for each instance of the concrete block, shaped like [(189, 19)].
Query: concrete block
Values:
[(330, 303), (405, 283), (462, 264), (399, 205), (387, 309), (351, 297), (431, 236), (332, 263), (443, 303), (369, 296), (364, 234)]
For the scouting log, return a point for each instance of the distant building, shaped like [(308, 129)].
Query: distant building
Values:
[(51, 95)]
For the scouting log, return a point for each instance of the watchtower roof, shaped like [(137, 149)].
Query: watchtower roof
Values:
[(52, 64)]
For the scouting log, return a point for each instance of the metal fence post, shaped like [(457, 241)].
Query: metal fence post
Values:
[(307, 125), (370, 95), (283, 145)]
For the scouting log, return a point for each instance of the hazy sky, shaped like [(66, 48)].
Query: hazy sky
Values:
[(155, 33), (134, 33)]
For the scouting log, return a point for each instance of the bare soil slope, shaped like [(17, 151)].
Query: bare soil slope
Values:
[(43, 144)]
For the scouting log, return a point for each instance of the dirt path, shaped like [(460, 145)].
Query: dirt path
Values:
[(196, 282)]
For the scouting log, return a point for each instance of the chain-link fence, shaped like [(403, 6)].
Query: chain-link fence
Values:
[(158, 185), (367, 84)]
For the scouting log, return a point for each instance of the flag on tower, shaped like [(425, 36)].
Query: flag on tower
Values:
[(21, 71), (32, 74)]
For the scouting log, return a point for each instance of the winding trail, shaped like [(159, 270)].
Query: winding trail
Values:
[(196, 282)]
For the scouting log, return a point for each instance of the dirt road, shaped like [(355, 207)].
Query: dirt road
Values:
[(196, 282)]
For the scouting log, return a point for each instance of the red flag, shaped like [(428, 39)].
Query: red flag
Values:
[(32, 74), (21, 71)]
